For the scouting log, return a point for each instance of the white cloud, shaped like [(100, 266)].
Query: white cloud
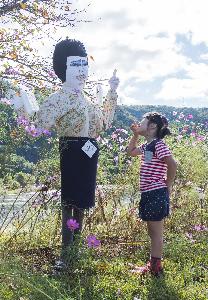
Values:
[(138, 37), (174, 88), (193, 87), (204, 56)]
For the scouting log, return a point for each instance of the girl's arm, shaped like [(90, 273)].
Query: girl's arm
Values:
[(132, 149), (171, 172)]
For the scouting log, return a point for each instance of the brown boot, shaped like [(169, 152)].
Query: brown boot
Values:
[(156, 266)]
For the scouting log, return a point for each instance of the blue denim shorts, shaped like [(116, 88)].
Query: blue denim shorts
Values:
[(154, 205)]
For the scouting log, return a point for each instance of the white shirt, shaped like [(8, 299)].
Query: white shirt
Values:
[(72, 114)]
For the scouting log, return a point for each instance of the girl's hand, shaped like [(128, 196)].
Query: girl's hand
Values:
[(169, 190), (135, 128), (169, 187)]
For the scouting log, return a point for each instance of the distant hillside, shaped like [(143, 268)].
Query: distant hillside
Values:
[(125, 115), (19, 151)]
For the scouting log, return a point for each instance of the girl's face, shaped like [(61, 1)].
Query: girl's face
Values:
[(143, 127), (146, 128)]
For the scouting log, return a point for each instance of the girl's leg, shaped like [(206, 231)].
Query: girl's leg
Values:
[(155, 231)]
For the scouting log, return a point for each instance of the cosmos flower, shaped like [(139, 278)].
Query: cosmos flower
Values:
[(72, 224), (46, 132), (189, 117), (201, 138), (92, 241), (114, 135), (21, 120), (181, 116), (5, 101), (11, 71), (193, 133), (52, 74), (33, 131), (200, 227)]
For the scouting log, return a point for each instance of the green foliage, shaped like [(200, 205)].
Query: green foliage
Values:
[(126, 115), (24, 179), (30, 242), (10, 183), (96, 277)]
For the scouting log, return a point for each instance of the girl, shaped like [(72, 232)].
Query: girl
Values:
[(157, 173)]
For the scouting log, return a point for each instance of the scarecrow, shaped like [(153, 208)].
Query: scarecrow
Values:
[(78, 122)]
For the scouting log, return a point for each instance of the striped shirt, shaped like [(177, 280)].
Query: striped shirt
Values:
[(153, 170)]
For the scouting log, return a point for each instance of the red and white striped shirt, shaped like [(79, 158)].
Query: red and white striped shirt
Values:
[(153, 169)]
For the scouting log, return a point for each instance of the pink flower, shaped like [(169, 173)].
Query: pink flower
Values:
[(193, 133), (52, 74), (56, 194), (72, 224), (92, 241), (116, 159), (179, 137), (118, 292), (201, 138), (5, 101), (189, 117), (52, 178), (114, 135), (46, 132), (129, 162), (37, 202), (190, 237), (100, 192), (200, 227), (22, 121), (104, 141), (11, 71), (175, 113), (33, 131), (181, 116), (42, 188), (132, 210), (120, 140)]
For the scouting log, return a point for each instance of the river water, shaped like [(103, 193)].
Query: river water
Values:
[(14, 205)]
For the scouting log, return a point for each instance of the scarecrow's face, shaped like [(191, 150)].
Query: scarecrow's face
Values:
[(77, 71)]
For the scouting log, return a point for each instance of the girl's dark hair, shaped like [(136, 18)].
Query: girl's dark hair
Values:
[(62, 50), (160, 121)]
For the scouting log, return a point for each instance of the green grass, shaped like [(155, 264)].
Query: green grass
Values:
[(99, 275)]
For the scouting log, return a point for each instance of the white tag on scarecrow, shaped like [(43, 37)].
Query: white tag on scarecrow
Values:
[(89, 148)]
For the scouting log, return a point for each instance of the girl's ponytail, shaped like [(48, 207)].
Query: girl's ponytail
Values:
[(161, 121), (163, 132)]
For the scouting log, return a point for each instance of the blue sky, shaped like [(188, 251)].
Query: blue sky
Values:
[(160, 48)]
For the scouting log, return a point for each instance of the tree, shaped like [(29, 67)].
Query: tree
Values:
[(24, 24)]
